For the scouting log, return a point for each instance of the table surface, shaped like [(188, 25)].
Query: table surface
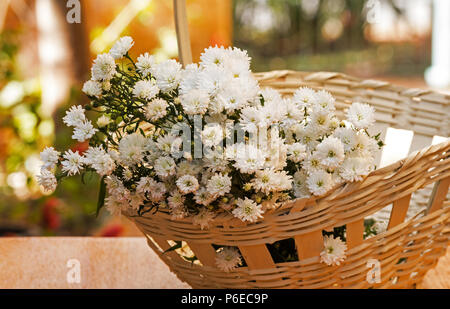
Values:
[(122, 262)]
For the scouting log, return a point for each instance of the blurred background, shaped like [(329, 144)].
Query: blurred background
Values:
[(44, 60)]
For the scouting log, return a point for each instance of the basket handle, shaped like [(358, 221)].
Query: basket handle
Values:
[(182, 30)]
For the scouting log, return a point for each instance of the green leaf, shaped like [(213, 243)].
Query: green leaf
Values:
[(101, 195)]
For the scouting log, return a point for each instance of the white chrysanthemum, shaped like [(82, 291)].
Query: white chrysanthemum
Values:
[(347, 137), (249, 158), (74, 116), (215, 161), (331, 152), (114, 206), (213, 56), (92, 88), (165, 166), (156, 109), (299, 185), (187, 167), (297, 152), (189, 78), (354, 168), (131, 148), (127, 174), (248, 210), (84, 131), (291, 114), (157, 192), (136, 200), (212, 135), (99, 160), (251, 119), (47, 180), (203, 218), (167, 74), (176, 200), (195, 102), (187, 184), (334, 251), (304, 98), (104, 67), (169, 143), (233, 96), (219, 184), (272, 112), (324, 102), (145, 89), (73, 162), (312, 163), (121, 47), (319, 182), (321, 122), (103, 121), (203, 197), (50, 157), (145, 184), (307, 135), (212, 79), (228, 259), (361, 115), (145, 63), (240, 55), (366, 146), (269, 180)]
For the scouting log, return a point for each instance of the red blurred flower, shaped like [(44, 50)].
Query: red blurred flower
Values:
[(112, 230), (80, 147), (50, 216)]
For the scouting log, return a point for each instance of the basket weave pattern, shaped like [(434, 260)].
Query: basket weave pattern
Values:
[(406, 251)]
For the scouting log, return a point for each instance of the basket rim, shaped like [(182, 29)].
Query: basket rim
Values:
[(304, 204)]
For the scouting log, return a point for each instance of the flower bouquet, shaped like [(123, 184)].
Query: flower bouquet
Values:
[(206, 139)]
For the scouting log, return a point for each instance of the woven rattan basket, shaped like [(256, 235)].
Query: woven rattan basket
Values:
[(409, 247)]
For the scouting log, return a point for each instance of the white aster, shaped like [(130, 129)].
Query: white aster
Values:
[(73, 162), (219, 184), (228, 259), (347, 137), (92, 88), (47, 180), (215, 56), (100, 160), (247, 210), (50, 157), (84, 131), (145, 89), (195, 102), (330, 152), (203, 218), (167, 74), (354, 168), (156, 109), (165, 166), (187, 184), (361, 115), (74, 116), (297, 152), (131, 149), (212, 135), (103, 121), (334, 251), (121, 47), (299, 185), (304, 98), (203, 197), (319, 182), (176, 200), (104, 68), (145, 63)]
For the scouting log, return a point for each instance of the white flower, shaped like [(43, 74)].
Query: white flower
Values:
[(145, 184), (189, 79), (249, 158), (347, 137), (121, 47), (50, 157), (213, 56), (47, 180), (104, 67), (240, 55), (299, 185), (83, 131), (353, 168), (334, 251), (304, 98), (319, 182), (312, 163), (92, 88), (324, 102), (219, 184), (156, 109), (195, 102), (167, 74), (103, 121), (212, 79), (169, 143), (203, 197), (127, 174), (157, 192), (251, 119), (145, 89), (233, 96), (131, 148), (291, 113), (145, 63), (99, 160), (297, 152), (365, 145), (212, 135), (73, 162), (228, 259), (165, 166), (74, 116), (331, 152), (248, 210), (203, 218), (176, 200), (269, 180), (187, 184), (361, 115)]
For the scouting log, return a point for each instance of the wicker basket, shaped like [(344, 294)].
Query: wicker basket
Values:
[(409, 247)]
